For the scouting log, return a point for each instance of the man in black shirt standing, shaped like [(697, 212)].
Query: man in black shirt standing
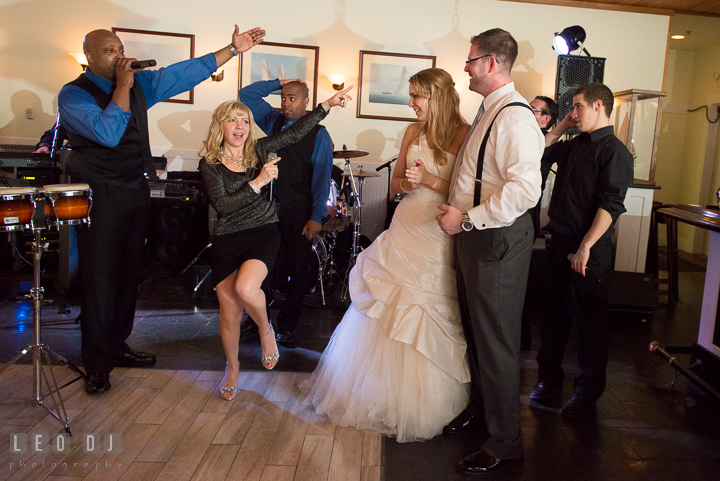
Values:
[(594, 172)]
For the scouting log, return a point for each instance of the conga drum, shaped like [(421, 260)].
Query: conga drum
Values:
[(17, 208), (67, 204)]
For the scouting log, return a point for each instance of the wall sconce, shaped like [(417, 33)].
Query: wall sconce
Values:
[(218, 77), (80, 57), (337, 80)]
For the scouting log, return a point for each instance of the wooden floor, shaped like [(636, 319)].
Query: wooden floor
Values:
[(175, 427)]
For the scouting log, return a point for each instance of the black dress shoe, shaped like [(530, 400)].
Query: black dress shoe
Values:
[(463, 421), (285, 338), (97, 382), (135, 359), (544, 391), (481, 463), (578, 407)]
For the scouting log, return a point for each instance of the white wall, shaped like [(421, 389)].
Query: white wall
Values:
[(36, 36)]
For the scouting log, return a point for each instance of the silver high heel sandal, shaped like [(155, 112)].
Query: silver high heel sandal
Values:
[(270, 360), (231, 389)]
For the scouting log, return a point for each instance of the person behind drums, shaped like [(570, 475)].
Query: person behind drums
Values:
[(301, 191), (236, 173), (105, 113), (397, 362)]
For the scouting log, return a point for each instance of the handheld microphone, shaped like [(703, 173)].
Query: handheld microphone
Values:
[(142, 64), (271, 156)]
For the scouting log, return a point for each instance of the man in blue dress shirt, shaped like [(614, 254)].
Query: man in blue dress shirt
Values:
[(301, 189), (105, 113)]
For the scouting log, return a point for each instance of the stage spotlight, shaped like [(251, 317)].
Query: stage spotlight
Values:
[(570, 39)]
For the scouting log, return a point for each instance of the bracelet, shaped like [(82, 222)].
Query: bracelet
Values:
[(403, 188), (254, 187), (232, 50)]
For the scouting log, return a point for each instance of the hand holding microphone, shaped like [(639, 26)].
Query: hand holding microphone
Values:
[(268, 172)]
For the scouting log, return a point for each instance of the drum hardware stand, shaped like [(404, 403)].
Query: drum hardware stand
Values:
[(356, 194), (192, 262), (40, 351)]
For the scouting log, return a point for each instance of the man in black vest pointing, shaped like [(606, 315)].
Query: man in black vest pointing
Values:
[(302, 188), (105, 113)]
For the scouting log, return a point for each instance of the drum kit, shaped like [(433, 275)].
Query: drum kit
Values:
[(345, 210), (30, 209)]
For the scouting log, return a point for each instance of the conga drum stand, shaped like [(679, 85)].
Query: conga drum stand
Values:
[(41, 352)]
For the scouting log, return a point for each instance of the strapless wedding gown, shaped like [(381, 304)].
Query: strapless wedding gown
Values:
[(397, 362)]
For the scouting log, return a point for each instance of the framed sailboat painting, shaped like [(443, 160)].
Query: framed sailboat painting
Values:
[(383, 84), (270, 61)]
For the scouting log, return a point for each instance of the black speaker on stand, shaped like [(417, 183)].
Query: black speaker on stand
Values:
[(572, 72)]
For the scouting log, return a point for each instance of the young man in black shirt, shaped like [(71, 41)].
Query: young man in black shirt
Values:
[(594, 172)]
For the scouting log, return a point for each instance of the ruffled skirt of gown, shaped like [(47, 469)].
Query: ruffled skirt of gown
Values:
[(396, 363)]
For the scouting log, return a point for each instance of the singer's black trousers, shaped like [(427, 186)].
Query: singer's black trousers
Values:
[(110, 252), (576, 305)]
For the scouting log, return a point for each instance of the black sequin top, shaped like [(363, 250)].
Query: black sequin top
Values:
[(238, 206)]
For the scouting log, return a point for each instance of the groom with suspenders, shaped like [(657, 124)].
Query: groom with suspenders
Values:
[(496, 180)]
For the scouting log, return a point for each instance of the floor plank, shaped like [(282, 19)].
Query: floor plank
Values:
[(191, 450), (315, 457), (347, 455)]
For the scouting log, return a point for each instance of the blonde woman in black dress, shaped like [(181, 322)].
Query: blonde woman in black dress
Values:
[(246, 241)]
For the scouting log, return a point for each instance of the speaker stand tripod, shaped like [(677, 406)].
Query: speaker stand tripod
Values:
[(41, 352)]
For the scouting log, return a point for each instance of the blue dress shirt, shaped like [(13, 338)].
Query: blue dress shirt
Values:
[(253, 96), (81, 115)]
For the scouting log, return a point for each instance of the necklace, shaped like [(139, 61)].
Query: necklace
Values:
[(236, 161)]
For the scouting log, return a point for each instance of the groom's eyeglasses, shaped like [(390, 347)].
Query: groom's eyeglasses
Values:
[(468, 62)]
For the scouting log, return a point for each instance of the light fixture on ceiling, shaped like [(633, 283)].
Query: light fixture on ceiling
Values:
[(80, 57), (680, 36), (570, 39), (337, 80)]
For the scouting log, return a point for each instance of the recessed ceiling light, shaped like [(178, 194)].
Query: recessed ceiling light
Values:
[(678, 37)]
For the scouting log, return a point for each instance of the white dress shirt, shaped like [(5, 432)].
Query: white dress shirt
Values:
[(511, 173)]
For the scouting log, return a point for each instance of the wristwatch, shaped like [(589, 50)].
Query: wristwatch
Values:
[(466, 224)]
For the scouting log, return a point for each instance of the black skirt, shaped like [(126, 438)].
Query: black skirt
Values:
[(229, 251)]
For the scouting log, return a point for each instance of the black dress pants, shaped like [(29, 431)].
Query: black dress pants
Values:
[(111, 252), (294, 262), (577, 305)]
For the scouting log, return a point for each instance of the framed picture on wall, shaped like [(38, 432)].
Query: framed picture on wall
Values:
[(383, 84), (164, 47), (268, 61)]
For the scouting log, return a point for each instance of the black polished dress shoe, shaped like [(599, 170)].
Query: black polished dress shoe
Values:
[(97, 382), (135, 359), (463, 421), (578, 407), (544, 391), (285, 338), (481, 463)]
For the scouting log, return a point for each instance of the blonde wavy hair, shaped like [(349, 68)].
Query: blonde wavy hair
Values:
[(443, 118), (214, 141)]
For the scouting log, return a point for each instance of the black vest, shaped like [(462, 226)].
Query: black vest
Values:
[(126, 163), (294, 182)]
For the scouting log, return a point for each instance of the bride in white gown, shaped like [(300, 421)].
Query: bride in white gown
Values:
[(396, 363)]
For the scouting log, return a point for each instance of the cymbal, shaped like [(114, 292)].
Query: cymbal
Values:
[(361, 174), (349, 154)]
